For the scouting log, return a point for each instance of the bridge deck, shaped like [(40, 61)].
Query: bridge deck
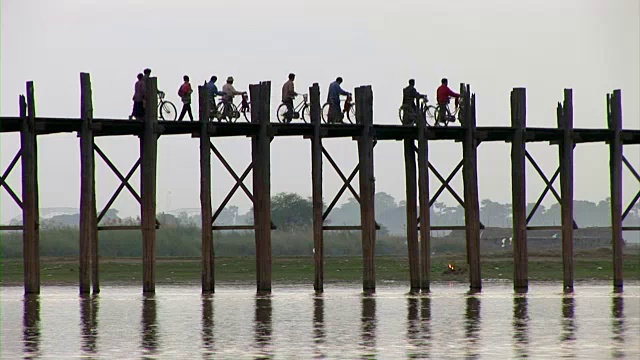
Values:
[(116, 127)]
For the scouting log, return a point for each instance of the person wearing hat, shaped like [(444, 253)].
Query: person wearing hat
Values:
[(229, 92)]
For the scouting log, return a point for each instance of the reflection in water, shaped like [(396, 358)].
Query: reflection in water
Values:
[(520, 325), (89, 323), (368, 327), (319, 335), (149, 325), (31, 326), (207, 325), (568, 318), (472, 326), (263, 327), (617, 325)]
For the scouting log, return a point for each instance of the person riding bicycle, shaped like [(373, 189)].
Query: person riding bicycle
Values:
[(212, 89), (443, 95), (409, 97), (228, 93), (333, 98), (288, 93)]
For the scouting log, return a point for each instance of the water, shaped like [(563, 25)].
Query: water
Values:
[(180, 323)]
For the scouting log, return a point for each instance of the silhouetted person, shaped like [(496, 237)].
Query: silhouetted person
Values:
[(333, 98), (409, 96), (212, 89), (288, 93), (185, 95), (443, 95), (138, 99), (229, 93)]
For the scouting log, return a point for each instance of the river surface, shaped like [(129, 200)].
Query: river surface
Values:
[(295, 323)]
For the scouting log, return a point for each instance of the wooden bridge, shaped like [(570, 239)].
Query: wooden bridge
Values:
[(366, 133)]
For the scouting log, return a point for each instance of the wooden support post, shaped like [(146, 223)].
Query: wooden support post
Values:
[(470, 178), (364, 116), (614, 111), (30, 209), (261, 154), (208, 258), (425, 214), (518, 190), (565, 122), (412, 214), (87, 186), (316, 184), (148, 149)]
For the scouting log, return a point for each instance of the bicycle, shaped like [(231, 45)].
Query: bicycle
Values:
[(444, 115), (228, 111), (428, 112), (166, 109), (300, 111), (348, 109)]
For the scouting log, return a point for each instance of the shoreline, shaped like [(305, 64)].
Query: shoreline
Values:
[(590, 266)]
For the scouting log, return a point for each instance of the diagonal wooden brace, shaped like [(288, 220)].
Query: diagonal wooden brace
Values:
[(232, 192), (6, 174), (125, 182), (341, 175), (232, 172)]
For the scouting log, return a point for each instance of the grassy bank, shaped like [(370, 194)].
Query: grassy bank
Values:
[(172, 270)]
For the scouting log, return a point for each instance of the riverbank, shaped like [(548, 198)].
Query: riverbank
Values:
[(592, 265)]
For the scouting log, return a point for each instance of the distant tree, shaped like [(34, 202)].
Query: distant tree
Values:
[(290, 211), (384, 202)]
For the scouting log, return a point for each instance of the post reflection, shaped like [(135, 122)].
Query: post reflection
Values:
[(263, 327), (520, 325), (415, 339), (319, 334), (568, 318), (208, 343), (149, 326), (31, 326), (472, 326), (368, 326), (89, 323), (617, 325)]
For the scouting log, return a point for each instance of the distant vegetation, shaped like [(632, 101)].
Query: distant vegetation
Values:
[(292, 214)]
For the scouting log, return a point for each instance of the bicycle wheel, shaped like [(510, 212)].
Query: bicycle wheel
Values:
[(305, 114), (351, 114), (281, 114), (430, 112), (167, 111), (325, 113), (222, 113), (245, 111), (234, 113)]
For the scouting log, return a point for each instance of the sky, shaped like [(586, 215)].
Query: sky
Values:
[(591, 46)]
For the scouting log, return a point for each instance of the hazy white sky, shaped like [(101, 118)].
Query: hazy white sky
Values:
[(592, 46)]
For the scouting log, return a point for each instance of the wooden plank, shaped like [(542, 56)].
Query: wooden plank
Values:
[(565, 122), (87, 191), (316, 184), (30, 208), (148, 149), (411, 189), (548, 227), (614, 111), (518, 190), (470, 179), (11, 227), (424, 207), (342, 227), (233, 227), (208, 256), (261, 155), (364, 116)]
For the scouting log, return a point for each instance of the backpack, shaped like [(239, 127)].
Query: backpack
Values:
[(182, 90)]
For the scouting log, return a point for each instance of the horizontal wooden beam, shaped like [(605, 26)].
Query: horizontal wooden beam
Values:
[(550, 227), (631, 228), (120, 227), (10, 227)]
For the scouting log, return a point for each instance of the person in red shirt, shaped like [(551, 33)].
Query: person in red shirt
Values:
[(443, 94), (185, 94)]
